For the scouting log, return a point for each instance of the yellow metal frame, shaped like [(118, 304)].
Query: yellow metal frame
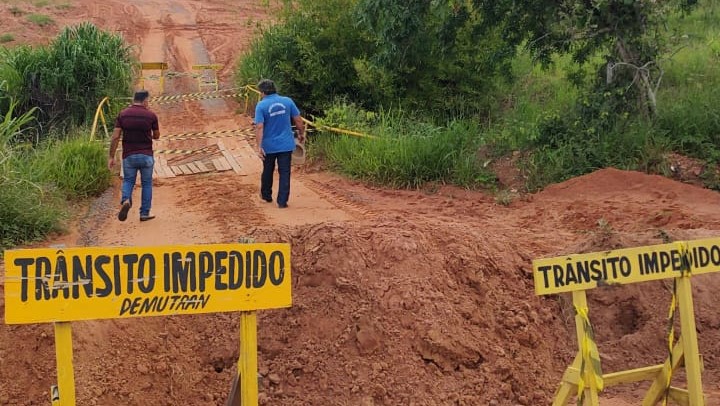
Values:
[(100, 115), (202, 82), (684, 352), (161, 66)]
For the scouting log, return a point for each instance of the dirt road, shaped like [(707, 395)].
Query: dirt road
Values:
[(400, 297)]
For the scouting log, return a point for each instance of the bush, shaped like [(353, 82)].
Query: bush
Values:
[(7, 37), (28, 210), (67, 79), (77, 167), (406, 153)]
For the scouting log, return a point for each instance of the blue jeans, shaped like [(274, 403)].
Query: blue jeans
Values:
[(266, 179), (131, 166)]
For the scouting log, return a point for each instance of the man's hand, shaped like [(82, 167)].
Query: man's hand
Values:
[(261, 153), (111, 163), (301, 137)]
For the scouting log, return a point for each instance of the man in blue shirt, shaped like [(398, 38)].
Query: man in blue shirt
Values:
[(274, 115)]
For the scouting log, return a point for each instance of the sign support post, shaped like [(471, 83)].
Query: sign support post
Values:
[(689, 341), (247, 362), (64, 360)]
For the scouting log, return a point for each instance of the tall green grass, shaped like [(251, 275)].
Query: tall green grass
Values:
[(405, 153), (67, 78), (28, 210)]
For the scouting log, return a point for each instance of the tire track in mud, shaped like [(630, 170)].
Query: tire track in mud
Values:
[(338, 199)]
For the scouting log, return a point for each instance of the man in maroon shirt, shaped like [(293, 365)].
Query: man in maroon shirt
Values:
[(138, 127)]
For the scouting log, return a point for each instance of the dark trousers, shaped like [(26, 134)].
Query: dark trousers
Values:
[(266, 179)]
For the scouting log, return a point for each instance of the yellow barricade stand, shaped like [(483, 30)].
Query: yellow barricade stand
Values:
[(60, 285), (207, 76), (579, 272), (161, 66)]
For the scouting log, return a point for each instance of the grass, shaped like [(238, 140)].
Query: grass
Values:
[(7, 37), (41, 3), (40, 19), (406, 153), (16, 11)]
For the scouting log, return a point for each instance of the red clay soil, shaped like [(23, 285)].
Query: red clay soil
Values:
[(399, 297)]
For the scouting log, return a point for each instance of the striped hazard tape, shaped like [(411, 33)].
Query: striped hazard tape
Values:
[(188, 95), (210, 134), (206, 96), (184, 151)]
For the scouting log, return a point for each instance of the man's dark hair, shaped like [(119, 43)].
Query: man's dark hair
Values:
[(267, 86), (140, 96)]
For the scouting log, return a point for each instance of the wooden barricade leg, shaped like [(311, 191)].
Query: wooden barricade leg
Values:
[(689, 341), (65, 395), (572, 375), (247, 364), (657, 389)]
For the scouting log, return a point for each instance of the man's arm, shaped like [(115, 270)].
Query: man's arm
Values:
[(156, 134), (259, 138), (114, 141), (300, 125)]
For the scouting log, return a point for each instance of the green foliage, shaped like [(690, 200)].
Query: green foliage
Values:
[(76, 166), (310, 54), (40, 19), (28, 210), (7, 37), (407, 152), (66, 79)]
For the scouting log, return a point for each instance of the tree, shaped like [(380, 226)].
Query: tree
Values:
[(625, 32)]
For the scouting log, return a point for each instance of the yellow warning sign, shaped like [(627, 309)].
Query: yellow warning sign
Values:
[(51, 285), (586, 271)]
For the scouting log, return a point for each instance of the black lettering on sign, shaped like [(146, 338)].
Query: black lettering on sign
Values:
[(715, 255), (206, 268), (665, 261), (183, 270), (60, 278), (100, 261), (277, 268), (146, 284), (129, 260), (625, 266), (43, 273), (596, 267), (116, 272), (649, 264), (583, 272), (259, 269), (24, 264), (82, 276), (559, 273), (543, 269), (235, 271), (221, 268)]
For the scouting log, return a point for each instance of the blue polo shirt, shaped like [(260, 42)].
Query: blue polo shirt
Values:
[(275, 112)]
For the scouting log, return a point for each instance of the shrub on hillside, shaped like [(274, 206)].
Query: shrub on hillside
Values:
[(67, 78)]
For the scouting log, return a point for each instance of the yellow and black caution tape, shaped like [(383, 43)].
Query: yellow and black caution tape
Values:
[(337, 130), (205, 96), (184, 151), (187, 95), (590, 358), (209, 134)]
